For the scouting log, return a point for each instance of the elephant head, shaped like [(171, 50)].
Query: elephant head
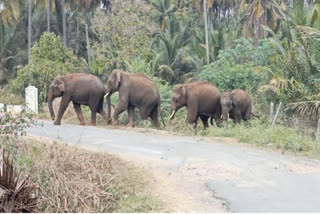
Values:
[(56, 89), (228, 102), (178, 99), (113, 84)]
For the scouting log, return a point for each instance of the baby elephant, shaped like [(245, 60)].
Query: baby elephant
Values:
[(236, 105)]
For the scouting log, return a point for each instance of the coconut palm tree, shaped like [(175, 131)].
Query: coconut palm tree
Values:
[(9, 12), (174, 60), (163, 10), (29, 28), (86, 6), (256, 13)]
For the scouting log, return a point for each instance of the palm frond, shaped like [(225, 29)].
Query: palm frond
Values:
[(305, 108)]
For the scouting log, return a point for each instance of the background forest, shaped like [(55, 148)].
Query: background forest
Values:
[(270, 48)]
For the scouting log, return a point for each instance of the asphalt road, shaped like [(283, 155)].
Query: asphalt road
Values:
[(245, 179)]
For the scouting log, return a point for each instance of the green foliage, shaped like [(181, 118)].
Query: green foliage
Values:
[(124, 35), (6, 96), (49, 58), (11, 127), (174, 60), (240, 66)]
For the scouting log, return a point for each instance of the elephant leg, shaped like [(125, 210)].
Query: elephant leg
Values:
[(217, 119), (204, 120), (121, 107), (192, 114), (154, 116), (145, 111), (247, 114), (77, 108), (62, 108), (94, 107), (195, 126), (131, 116), (237, 118), (93, 118), (105, 116)]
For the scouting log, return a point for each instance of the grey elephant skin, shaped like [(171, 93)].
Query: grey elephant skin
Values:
[(236, 105), (202, 99), (136, 90), (80, 89)]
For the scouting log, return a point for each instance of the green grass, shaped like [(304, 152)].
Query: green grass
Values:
[(261, 133)]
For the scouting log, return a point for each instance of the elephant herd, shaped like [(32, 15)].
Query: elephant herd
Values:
[(136, 90)]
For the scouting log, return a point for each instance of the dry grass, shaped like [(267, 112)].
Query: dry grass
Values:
[(77, 180)]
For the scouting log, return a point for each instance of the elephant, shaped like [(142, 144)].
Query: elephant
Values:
[(80, 89), (236, 105), (202, 99), (136, 90)]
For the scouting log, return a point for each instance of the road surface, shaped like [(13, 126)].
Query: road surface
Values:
[(210, 176)]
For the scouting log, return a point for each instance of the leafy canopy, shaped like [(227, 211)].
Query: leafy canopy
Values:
[(49, 58)]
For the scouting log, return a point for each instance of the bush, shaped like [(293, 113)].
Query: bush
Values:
[(241, 66), (49, 58), (11, 127), (124, 35)]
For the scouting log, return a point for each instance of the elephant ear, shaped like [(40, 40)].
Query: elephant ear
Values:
[(234, 99), (182, 90), (118, 81), (59, 83)]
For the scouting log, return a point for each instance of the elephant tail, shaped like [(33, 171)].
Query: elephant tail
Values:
[(257, 116), (160, 112), (211, 120)]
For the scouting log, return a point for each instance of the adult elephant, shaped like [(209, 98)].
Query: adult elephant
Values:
[(136, 90), (80, 89), (202, 99), (236, 105)]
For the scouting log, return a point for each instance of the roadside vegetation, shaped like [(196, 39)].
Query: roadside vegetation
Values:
[(73, 179), (47, 176)]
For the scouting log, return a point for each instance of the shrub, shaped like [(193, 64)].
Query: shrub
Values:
[(124, 35), (241, 66), (49, 58), (11, 127)]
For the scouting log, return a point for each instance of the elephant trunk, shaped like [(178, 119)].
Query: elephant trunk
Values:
[(225, 114), (50, 101), (108, 107)]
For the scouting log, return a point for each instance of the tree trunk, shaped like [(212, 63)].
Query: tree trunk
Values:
[(2, 36), (258, 22), (48, 15), (29, 29), (87, 36), (64, 25), (206, 29), (78, 33)]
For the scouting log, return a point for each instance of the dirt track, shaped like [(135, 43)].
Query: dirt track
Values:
[(194, 175)]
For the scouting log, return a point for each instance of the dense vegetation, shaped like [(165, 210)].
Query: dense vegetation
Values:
[(270, 48)]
